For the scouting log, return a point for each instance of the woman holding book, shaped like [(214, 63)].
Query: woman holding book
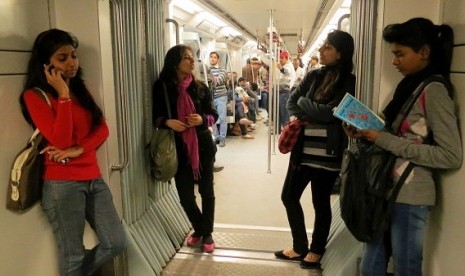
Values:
[(427, 136), (317, 156)]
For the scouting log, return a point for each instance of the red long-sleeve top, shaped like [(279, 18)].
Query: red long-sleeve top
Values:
[(65, 125)]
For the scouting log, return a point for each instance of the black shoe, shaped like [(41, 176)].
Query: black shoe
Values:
[(280, 255), (218, 168), (310, 265)]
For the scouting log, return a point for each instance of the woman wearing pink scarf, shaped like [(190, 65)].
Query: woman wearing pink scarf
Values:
[(191, 110)]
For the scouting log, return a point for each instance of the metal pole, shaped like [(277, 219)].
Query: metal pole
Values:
[(276, 125), (270, 88)]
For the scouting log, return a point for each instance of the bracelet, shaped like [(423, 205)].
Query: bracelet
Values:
[(64, 100)]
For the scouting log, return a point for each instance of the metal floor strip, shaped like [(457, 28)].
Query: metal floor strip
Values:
[(206, 265), (239, 251)]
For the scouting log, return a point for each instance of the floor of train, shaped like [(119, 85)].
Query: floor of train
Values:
[(250, 220)]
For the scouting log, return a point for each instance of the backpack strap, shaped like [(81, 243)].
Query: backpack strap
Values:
[(404, 113)]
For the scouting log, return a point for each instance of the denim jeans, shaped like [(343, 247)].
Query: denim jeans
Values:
[(221, 107), (264, 100), (283, 113), (408, 224), (68, 204)]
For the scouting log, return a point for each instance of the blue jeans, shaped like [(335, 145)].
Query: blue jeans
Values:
[(408, 224), (264, 100), (283, 113), (221, 107), (68, 204)]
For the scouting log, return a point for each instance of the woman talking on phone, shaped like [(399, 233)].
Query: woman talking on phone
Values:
[(74, 127)]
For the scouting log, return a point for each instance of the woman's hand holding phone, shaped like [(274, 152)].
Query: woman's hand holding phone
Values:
[(55, 79)]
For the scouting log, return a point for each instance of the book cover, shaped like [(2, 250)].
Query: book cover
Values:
[(357, 114)]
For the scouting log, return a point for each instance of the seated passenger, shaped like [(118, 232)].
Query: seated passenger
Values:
[(249, 98)]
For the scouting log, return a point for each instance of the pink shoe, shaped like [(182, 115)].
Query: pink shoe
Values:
[(208, 247), (192, 240)]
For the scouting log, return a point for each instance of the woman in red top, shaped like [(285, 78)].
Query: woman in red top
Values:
[(74, 128)]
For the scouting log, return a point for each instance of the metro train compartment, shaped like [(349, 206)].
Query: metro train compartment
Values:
[(122, 49)]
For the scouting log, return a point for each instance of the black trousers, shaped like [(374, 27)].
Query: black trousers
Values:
[(322, 182), (201, 219)]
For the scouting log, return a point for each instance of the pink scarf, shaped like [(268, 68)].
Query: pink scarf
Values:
[(185, 107)]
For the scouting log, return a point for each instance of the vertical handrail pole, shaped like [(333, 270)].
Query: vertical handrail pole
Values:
[(270, 88)]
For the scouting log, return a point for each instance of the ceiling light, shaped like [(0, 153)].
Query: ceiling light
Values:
[(187, 6)]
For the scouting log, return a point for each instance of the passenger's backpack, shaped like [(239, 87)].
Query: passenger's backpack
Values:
[(367, 193)]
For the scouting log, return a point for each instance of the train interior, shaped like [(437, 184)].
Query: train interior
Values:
[(122, 48)]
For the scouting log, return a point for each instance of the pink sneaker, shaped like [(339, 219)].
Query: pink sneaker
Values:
[(208, 247), (192, 240)]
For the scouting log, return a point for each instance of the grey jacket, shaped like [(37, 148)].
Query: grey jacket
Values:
[(429, 137)]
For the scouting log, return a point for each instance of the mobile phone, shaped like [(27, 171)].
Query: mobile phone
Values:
[(49, 68)]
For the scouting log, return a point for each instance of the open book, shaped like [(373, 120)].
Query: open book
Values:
[(355, 113)]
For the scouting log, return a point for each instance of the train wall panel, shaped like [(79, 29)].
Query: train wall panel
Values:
[(22, 20), (27, 239), (453, 15), (13, 62), (458, 60)]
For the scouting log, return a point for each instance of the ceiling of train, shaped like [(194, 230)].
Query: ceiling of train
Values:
[(294, 20)]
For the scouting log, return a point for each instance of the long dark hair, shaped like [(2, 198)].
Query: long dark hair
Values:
[(168, 73), (173, 57), (45, 45), (336, 74)]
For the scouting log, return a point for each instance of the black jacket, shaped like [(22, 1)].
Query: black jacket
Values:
[(301, 105), (202, 99)]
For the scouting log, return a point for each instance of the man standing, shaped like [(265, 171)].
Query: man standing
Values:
[(286, 82), (299, 73), (217, 78)]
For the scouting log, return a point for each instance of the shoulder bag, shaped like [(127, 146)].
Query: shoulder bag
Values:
[(164, 161), (26, 178)]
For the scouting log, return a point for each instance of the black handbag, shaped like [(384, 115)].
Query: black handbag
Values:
[(164, 160), (25, 185)]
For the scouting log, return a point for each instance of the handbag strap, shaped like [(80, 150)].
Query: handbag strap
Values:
[(41, 92), (44, 95), (168, 108)]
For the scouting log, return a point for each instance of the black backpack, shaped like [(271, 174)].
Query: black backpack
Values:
[(367, 192)]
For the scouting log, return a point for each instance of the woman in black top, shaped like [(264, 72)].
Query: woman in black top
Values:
[(317, 156), (192, 113)]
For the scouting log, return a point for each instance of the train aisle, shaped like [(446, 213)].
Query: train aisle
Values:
[(250, 220)]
